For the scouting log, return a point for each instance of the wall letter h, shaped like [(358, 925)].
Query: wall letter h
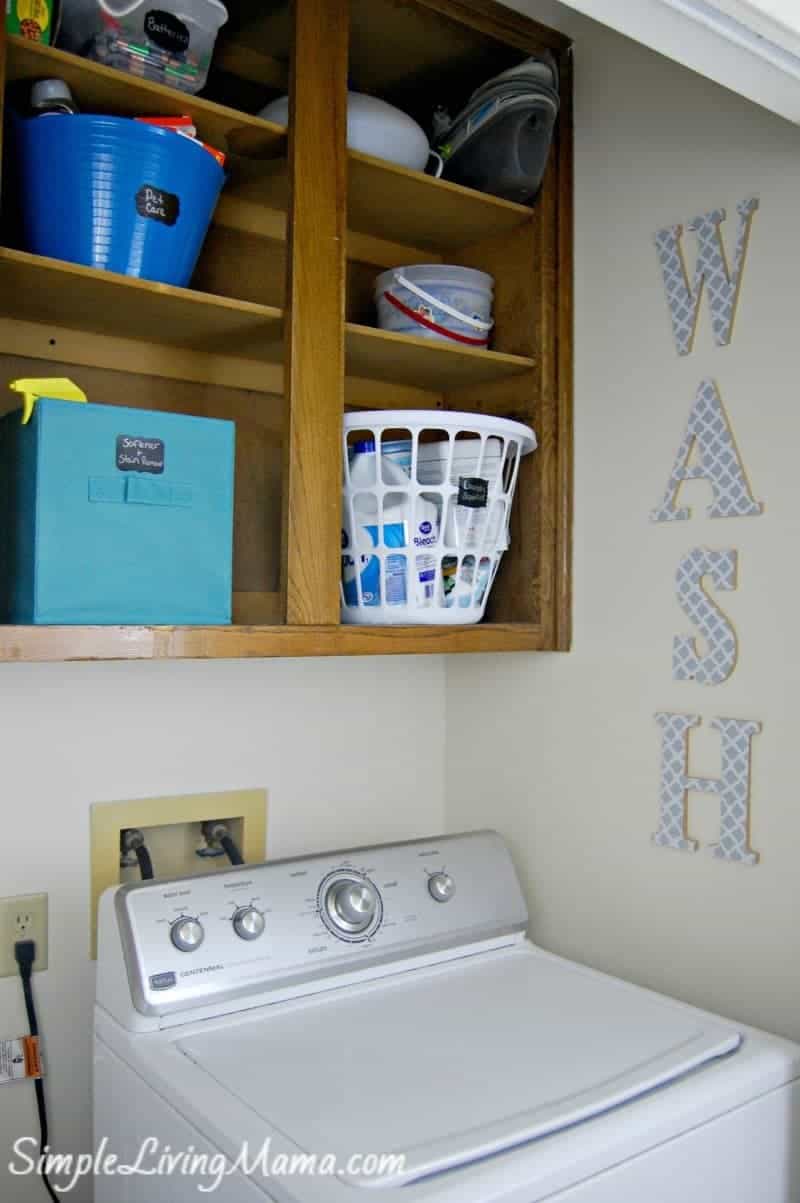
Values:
[(732, 786)]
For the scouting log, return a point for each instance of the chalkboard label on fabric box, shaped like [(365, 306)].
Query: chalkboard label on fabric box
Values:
[(157, 204), (140, 455), (473, 492)]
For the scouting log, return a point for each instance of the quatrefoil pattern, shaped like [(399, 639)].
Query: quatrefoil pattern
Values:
[(720, 660), (711, 272), (719, 462), (732, 787)]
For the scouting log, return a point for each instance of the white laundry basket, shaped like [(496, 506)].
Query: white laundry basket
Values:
[(426, 504)]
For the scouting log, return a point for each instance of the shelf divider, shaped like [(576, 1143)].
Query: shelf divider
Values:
[(312, 478)]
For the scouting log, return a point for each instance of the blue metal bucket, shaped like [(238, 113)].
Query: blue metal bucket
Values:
[(113, 193)]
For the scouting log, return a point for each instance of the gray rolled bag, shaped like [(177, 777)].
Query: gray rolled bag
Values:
[(500, 141)]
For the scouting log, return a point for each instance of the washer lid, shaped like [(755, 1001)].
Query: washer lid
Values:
[(452, 1065)]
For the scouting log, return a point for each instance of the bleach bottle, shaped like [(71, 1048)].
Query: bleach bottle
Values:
[(357, 544)]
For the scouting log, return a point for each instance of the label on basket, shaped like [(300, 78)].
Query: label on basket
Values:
[(166, 31), (140, 455), (158, 204), (473, 492)]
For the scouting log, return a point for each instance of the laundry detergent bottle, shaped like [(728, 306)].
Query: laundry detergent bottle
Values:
[(361, 523)]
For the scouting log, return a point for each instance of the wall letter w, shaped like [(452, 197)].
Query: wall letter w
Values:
[(722, 286)]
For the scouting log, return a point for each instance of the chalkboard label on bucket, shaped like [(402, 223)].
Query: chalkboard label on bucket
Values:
[(140, 455), (158, 204)]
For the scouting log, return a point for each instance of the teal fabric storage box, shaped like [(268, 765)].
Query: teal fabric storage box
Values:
[(112, 515)]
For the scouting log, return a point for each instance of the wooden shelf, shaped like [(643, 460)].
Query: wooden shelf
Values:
[(393, 215), (304, 223), (423, 362), (203, 643), (67, 295), (384, 200), (106, 90), (71, 297), (411, 207)]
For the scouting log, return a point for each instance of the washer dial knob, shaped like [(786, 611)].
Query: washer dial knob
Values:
[(248, 923), (441, 887), (350, 905), (187, 933), (354, 904)]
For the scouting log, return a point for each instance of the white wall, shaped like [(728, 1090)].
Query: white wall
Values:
[(574, 779), (350, 750)]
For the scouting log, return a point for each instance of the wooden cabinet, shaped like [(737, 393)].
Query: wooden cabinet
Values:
[(276, 330)]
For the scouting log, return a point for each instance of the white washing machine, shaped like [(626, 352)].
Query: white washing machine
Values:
[(386, 1002)]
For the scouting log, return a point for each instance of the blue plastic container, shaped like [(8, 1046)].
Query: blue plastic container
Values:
[(111, 515), (113, 193)]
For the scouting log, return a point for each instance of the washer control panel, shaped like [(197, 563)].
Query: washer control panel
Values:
[(253, 929)]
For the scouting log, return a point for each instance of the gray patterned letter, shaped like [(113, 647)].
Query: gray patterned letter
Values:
[(719, 662), (732, 786), (719, 463), (722, 288)]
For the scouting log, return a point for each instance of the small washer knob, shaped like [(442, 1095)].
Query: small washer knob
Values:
[(187, 934), (441, 887), (248, 923)]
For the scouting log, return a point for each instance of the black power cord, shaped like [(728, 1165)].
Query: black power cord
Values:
[(25, 955), (217, 834), (145, 863), (132, 840), (231, 850)]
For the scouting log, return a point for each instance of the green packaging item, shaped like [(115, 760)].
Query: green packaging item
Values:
[(32, 19)]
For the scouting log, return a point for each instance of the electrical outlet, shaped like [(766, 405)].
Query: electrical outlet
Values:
[(22, 918)]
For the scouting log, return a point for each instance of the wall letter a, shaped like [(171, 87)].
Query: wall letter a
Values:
[(722, 287), (719, 463)]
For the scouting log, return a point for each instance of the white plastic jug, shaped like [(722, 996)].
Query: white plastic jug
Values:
[(361, 534)]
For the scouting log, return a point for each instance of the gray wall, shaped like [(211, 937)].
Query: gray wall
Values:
[(565, 757)]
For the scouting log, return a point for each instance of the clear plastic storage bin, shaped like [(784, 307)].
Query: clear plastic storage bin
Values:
[(170, 42)]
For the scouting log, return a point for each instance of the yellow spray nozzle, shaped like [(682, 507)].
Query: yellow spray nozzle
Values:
[(59, 388)]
